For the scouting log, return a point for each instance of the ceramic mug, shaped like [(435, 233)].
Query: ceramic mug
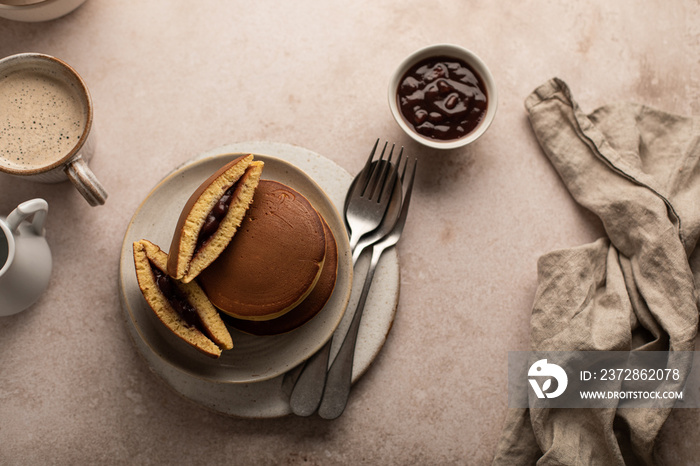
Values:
[(25, 257), (37, 10), (46, 133)]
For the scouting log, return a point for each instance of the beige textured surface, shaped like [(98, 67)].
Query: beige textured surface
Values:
[(172, 79)]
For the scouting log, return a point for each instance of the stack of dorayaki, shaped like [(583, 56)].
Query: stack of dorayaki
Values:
[(247, 252)]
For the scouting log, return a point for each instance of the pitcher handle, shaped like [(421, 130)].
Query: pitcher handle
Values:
[(37, 207)]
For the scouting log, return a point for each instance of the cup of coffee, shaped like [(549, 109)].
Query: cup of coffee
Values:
[(37, 10), (46, 123)]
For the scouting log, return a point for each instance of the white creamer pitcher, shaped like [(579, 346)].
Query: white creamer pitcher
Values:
[(25, 257)]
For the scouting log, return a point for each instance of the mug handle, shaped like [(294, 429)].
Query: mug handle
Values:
[(37, 207), (85, 181)]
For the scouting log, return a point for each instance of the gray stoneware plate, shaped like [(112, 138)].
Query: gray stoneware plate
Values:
[(247, 381)]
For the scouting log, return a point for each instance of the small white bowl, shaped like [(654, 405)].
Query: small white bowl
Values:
[(451, 51), (36, 11)]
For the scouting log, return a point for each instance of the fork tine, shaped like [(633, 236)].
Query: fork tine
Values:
[(371, 155), (409, 187), (381, 180), (388, 188), (361, 185), (404, 169), (373, 180), (400, 172), (401, 221)]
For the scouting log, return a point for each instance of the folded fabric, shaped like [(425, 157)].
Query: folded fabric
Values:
[(638, 170)]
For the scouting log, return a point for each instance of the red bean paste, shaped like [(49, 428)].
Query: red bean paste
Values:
[(215, 217), (442, 98), (177, 299)]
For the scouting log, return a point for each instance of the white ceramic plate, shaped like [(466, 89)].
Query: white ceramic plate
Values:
[(226, 384), (252, 359)]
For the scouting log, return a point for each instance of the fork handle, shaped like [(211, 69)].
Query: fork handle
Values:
[(355, 238), (339, 378), (308, 389)]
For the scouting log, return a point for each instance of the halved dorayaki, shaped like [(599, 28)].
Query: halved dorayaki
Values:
[(275, 259), (211, 217), (182, 307)]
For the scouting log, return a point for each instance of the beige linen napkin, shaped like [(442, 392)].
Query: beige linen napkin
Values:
[(638, 170)]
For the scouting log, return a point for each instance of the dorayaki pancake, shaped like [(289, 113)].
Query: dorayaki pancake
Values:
[(182, 307), (211, 217), (308, 308), (273, 261)]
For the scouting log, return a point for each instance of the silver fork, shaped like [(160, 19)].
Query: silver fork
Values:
[(364, 211), (368, 201), (339, 377)]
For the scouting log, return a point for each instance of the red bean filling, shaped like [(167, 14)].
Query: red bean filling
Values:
[(442, 98), (177, 299), (215, 216)]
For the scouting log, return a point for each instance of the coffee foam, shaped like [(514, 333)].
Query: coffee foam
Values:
[(43, 118)]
